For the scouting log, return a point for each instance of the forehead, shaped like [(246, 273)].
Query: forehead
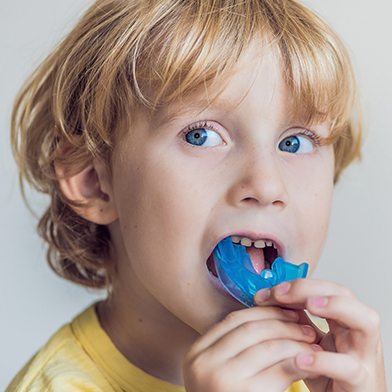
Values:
[(256, 74)]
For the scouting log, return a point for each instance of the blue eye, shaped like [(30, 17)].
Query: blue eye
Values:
[(203, 137), (296, 145)]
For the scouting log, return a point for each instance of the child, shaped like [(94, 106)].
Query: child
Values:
[(160, 128)]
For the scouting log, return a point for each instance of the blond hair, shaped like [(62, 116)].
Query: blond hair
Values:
[(127, 55)]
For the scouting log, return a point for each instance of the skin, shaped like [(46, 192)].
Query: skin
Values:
[(168, 203)]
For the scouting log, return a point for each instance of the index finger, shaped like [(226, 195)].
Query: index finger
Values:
[(295, 294), (235, 319)]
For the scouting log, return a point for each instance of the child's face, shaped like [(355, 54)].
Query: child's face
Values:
[(192, 176)]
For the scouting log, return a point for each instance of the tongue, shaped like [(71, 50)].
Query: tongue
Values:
[(257, 258)]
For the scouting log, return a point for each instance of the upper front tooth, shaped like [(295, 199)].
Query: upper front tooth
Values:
[(246, 242), (259, 244), (235, 239), (269, 243)]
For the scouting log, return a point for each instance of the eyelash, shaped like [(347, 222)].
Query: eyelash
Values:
[(316, 139), (200, 124)]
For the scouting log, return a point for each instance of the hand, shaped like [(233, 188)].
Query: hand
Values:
[(250, 350), (352, 357)]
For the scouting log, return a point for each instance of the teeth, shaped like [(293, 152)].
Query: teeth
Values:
[(235, 239), (246, 242), (259, 244)]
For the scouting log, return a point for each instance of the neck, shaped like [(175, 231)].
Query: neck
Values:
[(150, 337)]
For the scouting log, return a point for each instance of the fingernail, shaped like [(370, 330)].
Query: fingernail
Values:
[(309, 331), (291, 314), (263, 295), (318, 302), (316, 348), (305, 359), (283, 288)]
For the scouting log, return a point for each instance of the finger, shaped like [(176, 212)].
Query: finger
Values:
[(234, 319), (278, 377), (252, 333), (341, 368), (264, 355), (294, 294), (304, 319), (349, 313)]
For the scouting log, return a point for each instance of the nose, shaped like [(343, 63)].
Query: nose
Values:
[(260, 181)]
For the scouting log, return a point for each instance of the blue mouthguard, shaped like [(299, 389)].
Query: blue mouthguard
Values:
[(239, 278)]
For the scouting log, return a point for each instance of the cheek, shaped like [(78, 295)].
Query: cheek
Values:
[(163, 217), (162, 208), (313, 200), (312, 222)]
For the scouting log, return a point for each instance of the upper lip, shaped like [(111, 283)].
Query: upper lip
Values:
[(254, 237)]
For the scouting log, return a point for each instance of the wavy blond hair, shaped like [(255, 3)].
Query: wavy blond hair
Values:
[(125, 56)]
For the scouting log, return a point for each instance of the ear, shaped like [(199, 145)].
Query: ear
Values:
[(93, 190)]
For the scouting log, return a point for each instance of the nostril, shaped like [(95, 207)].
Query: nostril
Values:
[(250, 200)]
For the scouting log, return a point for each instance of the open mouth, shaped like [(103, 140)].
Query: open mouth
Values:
[(262, 253)]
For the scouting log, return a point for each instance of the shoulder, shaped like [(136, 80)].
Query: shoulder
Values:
[(61, 365)]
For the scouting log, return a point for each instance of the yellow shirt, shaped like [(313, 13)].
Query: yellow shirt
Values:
[(81, 357)]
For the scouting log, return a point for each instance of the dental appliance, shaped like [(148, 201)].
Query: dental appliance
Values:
[(237, 275)]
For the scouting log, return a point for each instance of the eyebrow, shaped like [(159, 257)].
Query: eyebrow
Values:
[(195, 108)]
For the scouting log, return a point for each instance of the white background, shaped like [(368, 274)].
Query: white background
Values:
[(34, 303)]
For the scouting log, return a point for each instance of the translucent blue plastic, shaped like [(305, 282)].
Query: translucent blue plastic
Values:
[(239, 278)]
